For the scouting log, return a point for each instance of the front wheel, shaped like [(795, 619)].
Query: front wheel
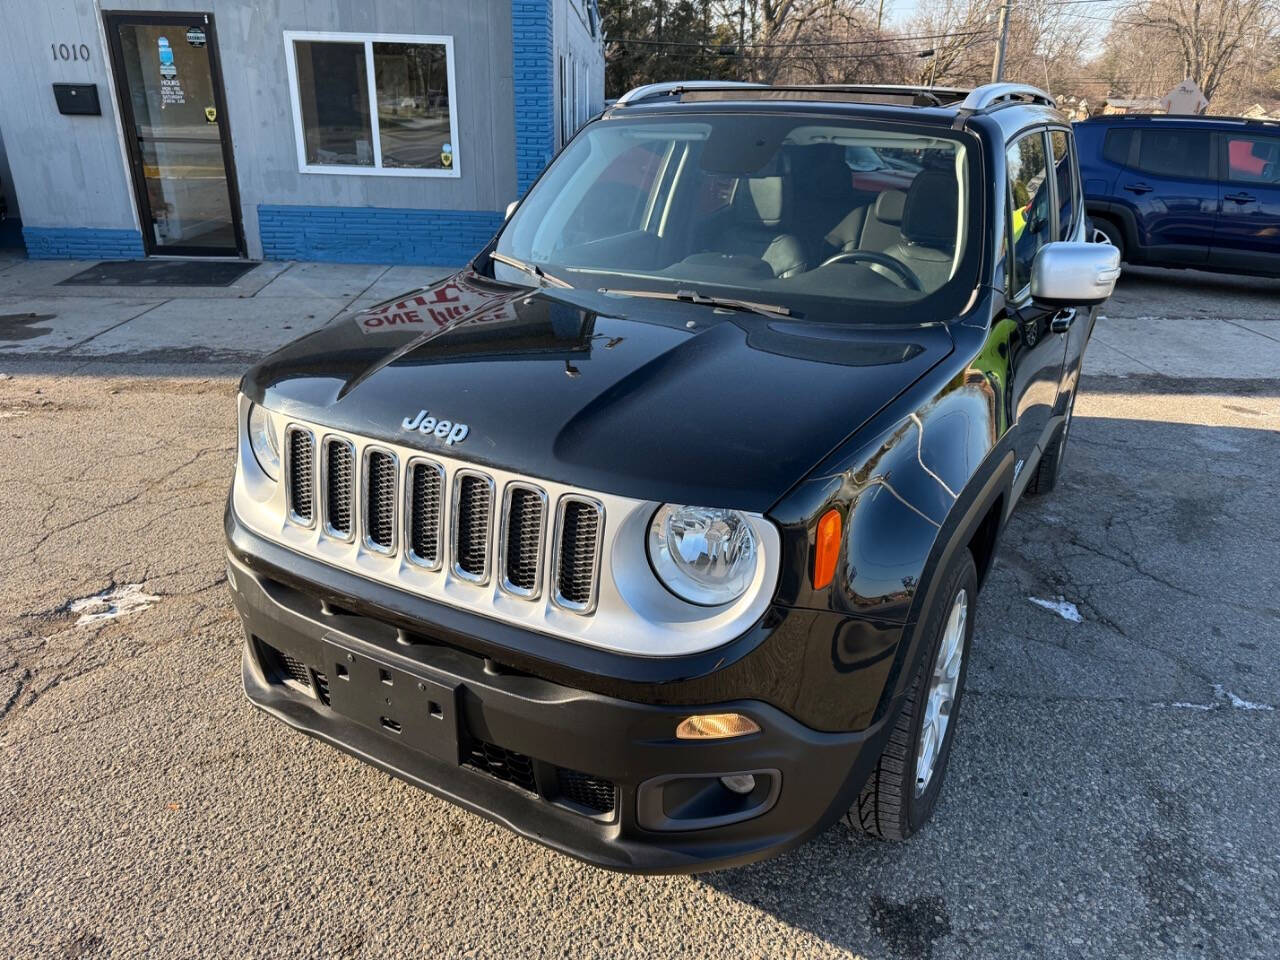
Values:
[(903, 788)]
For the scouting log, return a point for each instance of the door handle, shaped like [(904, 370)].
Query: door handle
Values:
[(1240, 197), (1062, 320), (1138, 188)]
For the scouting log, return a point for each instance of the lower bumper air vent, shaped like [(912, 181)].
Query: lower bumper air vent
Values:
[(587, 791), (502, 763)]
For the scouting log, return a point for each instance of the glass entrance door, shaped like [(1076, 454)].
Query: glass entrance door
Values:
[(171, 104)]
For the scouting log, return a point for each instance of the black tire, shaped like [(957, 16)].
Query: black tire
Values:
[(889, 807), (1049, 469), (1115, 236)]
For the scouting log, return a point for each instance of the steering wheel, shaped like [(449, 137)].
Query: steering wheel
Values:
[(908, 276)]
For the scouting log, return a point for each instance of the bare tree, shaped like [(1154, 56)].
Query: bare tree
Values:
[(1211, 34), (1230, 48)]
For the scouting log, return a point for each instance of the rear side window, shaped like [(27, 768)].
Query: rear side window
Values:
[(1175, 153), (1068, 186), (1115, 148), (1030, 215), (1253, 159)]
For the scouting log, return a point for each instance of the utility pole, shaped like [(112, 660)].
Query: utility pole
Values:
[(880, 17), (997, 68)]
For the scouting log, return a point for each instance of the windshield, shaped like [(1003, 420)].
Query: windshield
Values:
[(834, 219)]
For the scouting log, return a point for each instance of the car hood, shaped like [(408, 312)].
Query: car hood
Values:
[(642, 398)]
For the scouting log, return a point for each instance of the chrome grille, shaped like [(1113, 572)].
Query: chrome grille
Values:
[(579, 528), (524, 516), (338, 481), (361, 495), (301, 486), (380, 468), (472, 515), (426, 511)]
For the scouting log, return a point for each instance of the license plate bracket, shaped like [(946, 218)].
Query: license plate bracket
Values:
[(406, 706)]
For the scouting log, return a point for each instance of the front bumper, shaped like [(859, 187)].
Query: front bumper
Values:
[(546, 739)]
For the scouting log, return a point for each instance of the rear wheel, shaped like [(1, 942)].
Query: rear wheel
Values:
[(1114, 235), (903, 788)]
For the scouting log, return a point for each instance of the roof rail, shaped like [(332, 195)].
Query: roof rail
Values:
[(999, 94), (671, 87)]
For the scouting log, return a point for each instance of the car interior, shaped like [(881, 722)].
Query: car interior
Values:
[(783, 208)]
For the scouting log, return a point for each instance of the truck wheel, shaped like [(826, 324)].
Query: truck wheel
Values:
[(903, 788), (1050, 466), (1115, 236)]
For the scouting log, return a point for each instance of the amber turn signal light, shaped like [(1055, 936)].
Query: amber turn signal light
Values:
[(826, 549), (716, 726)]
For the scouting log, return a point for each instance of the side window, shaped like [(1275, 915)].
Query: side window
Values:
[(1175, 153), (1030, 215), (1115, 148), (1068, 186), (1253, 159)]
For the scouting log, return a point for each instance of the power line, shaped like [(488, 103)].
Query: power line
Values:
[(798, 43)]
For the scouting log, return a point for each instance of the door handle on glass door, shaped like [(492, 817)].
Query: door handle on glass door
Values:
[(1062, 320)]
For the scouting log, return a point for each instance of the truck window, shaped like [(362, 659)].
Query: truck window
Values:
[(1115, 148), (1183, 154), (1068, 186), (1253, 159), (1030, 215)]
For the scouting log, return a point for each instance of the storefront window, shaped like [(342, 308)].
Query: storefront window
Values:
[(373, 104)]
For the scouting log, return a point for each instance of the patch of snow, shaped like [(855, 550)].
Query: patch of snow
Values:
[(110, 604), (1062, 607), (1223, 698), (1222, 693)]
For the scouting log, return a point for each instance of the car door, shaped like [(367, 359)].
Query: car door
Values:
[(1248, 230), (1170, 186), (1036, 353)]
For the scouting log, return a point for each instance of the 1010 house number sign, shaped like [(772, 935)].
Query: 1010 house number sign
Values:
[(70, 51)]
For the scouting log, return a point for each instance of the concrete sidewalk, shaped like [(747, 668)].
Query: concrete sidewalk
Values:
[(266, 308), (1181, 324)]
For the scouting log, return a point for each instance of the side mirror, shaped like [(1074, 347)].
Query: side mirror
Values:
[(1070, 274), (511, 208)]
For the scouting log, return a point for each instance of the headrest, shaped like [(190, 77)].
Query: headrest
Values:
[(889, 207), (760, 200), (821, 170), (929, 215)]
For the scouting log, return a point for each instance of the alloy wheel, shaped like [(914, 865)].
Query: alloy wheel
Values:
[(941, 696)]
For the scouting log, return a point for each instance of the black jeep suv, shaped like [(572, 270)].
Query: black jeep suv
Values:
[(655, 533)]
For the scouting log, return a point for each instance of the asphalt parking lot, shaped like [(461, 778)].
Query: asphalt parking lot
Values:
[(1113, 791)]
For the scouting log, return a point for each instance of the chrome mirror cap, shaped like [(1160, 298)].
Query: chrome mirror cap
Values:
[(511, 208), (1069, 274)]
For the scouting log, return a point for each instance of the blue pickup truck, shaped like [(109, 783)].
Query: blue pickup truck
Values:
[(1174, 191)]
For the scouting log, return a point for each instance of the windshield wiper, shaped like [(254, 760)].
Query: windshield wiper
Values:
[(693, 296), (532, 269)]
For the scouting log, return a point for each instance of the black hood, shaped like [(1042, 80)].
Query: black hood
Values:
[(641, 398)]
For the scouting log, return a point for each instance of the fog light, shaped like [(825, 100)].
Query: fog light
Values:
[(716, 726), (742, 783)]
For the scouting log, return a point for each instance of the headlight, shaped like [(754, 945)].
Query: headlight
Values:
[(263, 441), (701, 554)]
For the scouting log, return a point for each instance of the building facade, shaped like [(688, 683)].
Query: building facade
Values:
[(390, 131)]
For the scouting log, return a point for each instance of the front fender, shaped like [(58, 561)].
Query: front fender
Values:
[(909, 495)]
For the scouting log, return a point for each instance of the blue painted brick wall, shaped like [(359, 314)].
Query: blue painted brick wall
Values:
[(532, 50), (374, 234), (82, 243)]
